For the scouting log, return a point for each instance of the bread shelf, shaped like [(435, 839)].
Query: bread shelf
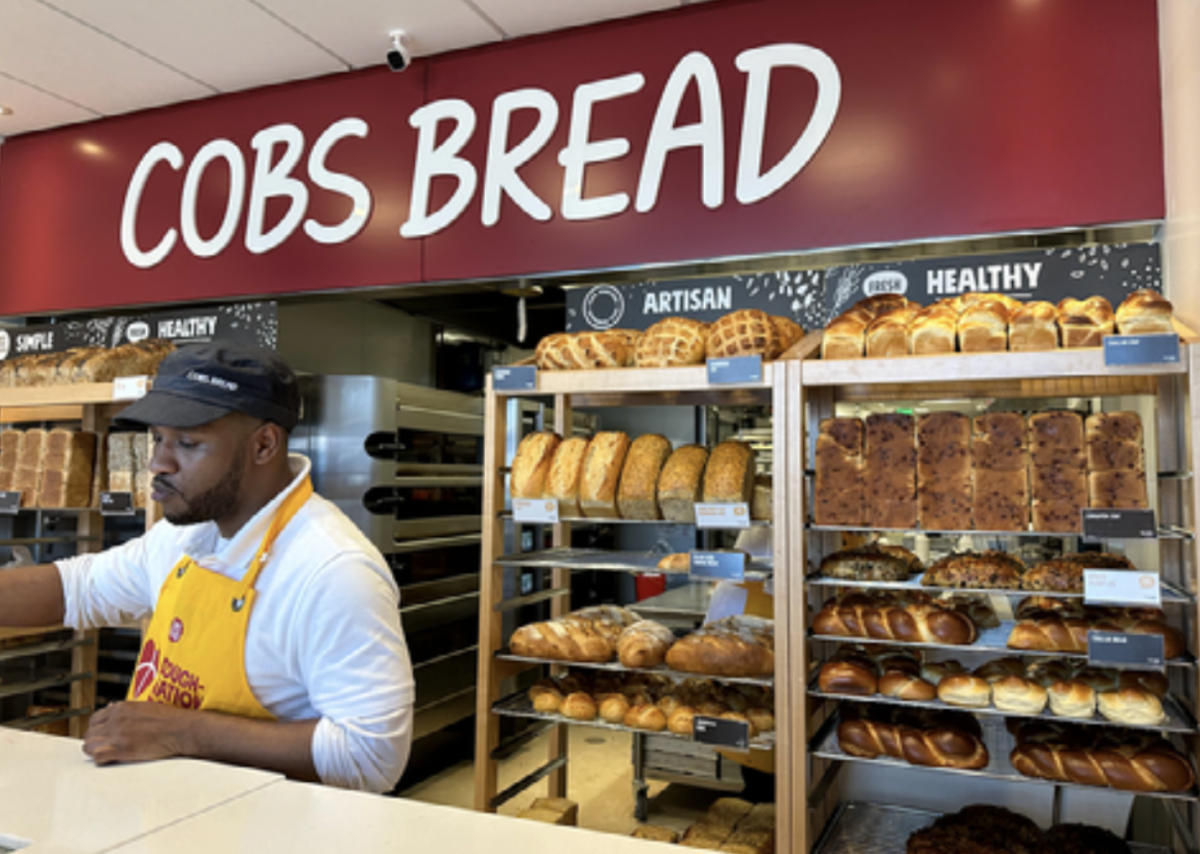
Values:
[(989, 640), (1165, 532), (77, 394), (616, 667), (594, 520), (12, 689), (883, 829), (636, 562), (999, 742), (1172, 594), (669, 386), (519, 705), (44, 647), (1178, 719)]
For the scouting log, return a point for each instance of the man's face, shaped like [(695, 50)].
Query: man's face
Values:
[(198, 471)]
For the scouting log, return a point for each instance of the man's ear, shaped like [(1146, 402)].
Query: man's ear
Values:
[(270, 441)]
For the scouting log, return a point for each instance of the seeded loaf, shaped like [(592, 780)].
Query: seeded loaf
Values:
[(562, 480), (679, 483), (28, 477), (531, 464), (602, 466), (637, 494), (10, 441), (729, 475)]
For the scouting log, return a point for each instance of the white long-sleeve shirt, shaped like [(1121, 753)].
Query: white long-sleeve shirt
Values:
[(324, 640)]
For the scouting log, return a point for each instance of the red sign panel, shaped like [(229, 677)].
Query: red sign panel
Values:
[(724, 129)]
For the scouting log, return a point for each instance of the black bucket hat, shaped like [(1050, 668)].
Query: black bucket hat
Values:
[(200, 383)]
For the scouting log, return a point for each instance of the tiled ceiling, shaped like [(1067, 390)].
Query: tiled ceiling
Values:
[(66, 61)]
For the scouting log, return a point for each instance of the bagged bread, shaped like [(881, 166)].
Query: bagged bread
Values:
[(601, 474), (637, 494), (679, 483)]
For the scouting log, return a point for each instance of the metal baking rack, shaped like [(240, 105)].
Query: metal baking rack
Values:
[(1172, 594), (1165, 532), (615, 667), (1178, 718), (990, 640), (858, 828), (507, 516), (520, 706), (999, 742), (638, 562)]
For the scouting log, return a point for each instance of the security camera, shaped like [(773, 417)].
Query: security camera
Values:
[(399, 57)]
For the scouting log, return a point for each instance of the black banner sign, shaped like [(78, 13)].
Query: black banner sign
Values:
[(794, 294), (254, 323), (1050, 275)]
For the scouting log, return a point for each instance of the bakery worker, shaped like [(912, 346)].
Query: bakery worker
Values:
[(275, 640)]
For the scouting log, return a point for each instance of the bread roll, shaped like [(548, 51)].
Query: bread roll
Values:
[(1084, 323), (647, 717), (729, 475), (1033, 327), (655, 833), (680, 721), (1019, 695), (602, 466), (1072, 699), (578, 707), (1131, 707), (679, 483), (965, 689), (637, 493), (996, 669), (745, 332), (545, 696), (644, 644), (902, 686), (562, 479), (671, 342), (532, 464), (1144, 312)]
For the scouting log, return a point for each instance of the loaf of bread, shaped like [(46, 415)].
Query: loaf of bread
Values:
[(845, 337), (27, 479), (838, 492), (965, 689), (551, 353), (868, 563), (637, 494), (1144, 312), (611, 348), (1117, 489), (530, 465), (983, 327), (10, 442), (939, 745), (860, 616), (1084, 323), (67, 460), (655, 833), (745, 332), (984, 829), (1131, 706), (1019, 695), (906, 686), (601, 475), (1069, 634), (562, 479), (855, 676), (889, 470), (933, 329), (729, 475), (762, 502), (644, 644), (990, 569), (789, 331), (586, 635), (1072, 699), (679, 483), (1056, 439), (672, 342), (120, 462), (1033, 327), (887, 335), (734, 646), (1000, 500), (1098, 756)]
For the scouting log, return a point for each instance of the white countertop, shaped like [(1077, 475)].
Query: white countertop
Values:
[(54, 800)]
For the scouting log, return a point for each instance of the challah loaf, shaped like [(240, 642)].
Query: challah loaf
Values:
[(1129, 761), (938, 746)]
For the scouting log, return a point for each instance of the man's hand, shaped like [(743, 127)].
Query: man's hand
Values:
[(136, 732)]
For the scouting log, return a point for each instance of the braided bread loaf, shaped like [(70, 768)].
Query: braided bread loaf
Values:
[(950, 742), (914, 622), (1131, 761)]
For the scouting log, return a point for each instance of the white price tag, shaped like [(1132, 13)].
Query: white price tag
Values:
[(1121, 587), (130, 388), (722, 515), (537, 510)]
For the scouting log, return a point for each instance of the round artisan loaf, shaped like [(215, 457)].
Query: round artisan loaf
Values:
[(671, 342), (1072, 699), (965, 689), (611, 348), (745, 332), (613, 708), (734, 646), (681, 720), (1131, 706), (646, 716), (789, 332), (545, 696), (1019, 695), (551, 353)]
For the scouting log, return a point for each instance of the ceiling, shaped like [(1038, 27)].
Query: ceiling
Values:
[(67, 61)]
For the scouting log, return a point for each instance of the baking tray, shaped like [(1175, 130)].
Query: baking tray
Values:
[(1172, 594), (999, 742), (1165, 532), (860, 828), (989, 640), (1178, 718), (520, 706), (617, 667), (610, 560)]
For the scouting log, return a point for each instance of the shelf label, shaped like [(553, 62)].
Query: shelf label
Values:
[(1154, 349), (10, 503), (1119, 524), (736, 369), (536, 510), (514, 378), (130, 388), (1121, 587), (718, 566), (722, 515), (1107, 649), (720, 732), (116, 504)]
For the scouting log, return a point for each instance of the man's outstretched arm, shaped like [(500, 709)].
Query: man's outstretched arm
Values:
[(31, 596)]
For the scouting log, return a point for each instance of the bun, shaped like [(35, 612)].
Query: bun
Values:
[(857, 677), (965, 689), (613, 708), (1132, 707), (680, 721), (578, 706), (1144, 312), (1072, 700), (601, 472), (644, 644), (671, 342), (903, 686), (934, 672), (545, 696), (636, 495), (532, 464), (646, 717), (679, 483), (562, 480)]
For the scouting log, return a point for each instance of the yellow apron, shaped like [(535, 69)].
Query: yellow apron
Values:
[(194, 652)]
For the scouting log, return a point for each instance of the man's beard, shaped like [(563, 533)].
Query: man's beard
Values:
[(215, 502)]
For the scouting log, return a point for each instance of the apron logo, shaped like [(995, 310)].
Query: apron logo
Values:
[(176, 630), (147, 669)]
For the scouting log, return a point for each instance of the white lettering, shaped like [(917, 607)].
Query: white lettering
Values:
[(752, 184), (650, 304), (500, 175), (994, 276), (966, 280), (274, 181), (935, 281), (35, 341), (433, 159), (1012, 277), (227, 151), (1033, 272), (706, 134), (581, 150), (336, 182), (162, 152)]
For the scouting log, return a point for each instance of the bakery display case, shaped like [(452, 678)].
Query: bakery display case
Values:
[(648, 680), (940, 630)]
